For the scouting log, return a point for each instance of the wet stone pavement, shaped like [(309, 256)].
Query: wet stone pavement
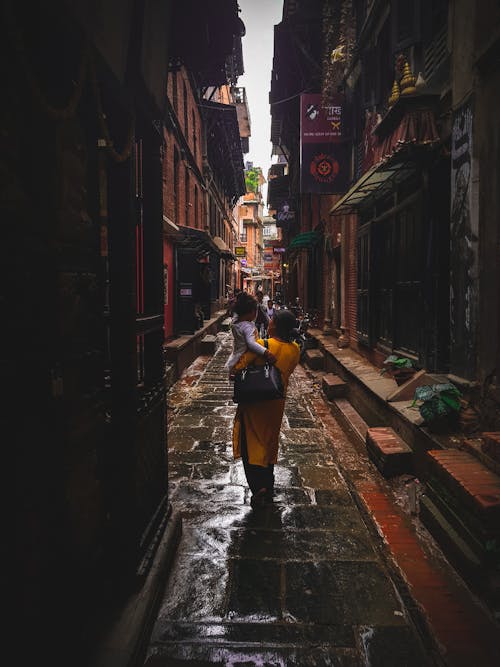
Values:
[(300, 582)]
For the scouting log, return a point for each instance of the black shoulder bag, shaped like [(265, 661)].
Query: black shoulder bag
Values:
[(258, 383)]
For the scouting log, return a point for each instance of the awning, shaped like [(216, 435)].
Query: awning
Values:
[(405, 133), (378, 178), (197, 239), (171, 230), (223, 247), (305, 240)]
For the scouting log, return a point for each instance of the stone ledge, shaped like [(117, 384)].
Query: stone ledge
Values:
[(471, 481), (208, 344), (183, 350)]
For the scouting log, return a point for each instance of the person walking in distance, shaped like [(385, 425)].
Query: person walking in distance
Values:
[(262, 319)]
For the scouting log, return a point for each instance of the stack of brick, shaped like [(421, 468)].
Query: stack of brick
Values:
[(461, 508), (491, 445), (388, 451)]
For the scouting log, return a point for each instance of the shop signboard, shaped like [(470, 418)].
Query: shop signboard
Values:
[(240, 251), (324, 145)]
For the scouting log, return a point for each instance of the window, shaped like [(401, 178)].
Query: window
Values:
[(196, 212), (212, 217), (185, 101), (243, 236), (435, 22), (186, 194), (176, 185), (175, 92), (406, 23), (195, 138)]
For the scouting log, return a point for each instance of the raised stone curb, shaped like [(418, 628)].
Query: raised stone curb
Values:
[(333, 386)]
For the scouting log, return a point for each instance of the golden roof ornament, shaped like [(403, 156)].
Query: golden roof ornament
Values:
[(394, 97), (407, 81), (338, 54)]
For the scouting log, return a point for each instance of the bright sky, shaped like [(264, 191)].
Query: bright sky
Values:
[(259, 17)]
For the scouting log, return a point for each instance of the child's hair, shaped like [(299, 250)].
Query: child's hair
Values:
[(245, 303), (270, 303)]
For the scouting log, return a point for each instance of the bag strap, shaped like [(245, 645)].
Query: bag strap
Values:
[(266, 344)]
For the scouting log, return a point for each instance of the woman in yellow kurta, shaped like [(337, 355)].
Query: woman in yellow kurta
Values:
[(257, 426)]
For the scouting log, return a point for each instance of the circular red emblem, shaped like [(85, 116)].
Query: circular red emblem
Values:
[(324, 168)]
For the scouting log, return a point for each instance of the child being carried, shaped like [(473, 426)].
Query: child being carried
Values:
[(244, 332)]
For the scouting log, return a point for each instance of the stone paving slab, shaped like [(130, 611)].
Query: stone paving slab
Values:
[(302, 581)]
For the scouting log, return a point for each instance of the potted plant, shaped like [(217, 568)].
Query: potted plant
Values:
[(439, 406), (399, 368)]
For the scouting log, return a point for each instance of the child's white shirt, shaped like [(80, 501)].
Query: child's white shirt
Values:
[(243, 340)]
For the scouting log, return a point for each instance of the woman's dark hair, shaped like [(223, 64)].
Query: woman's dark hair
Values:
[(285, 323), (245, 303)]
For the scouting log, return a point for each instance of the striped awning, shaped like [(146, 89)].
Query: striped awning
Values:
[(305, 240)]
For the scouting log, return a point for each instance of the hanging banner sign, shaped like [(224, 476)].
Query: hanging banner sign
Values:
[(324, 149), (240, 251)]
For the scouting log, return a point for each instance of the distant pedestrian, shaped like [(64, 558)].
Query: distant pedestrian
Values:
[(244, 312), (270, 309), (262, 319), (256, 429)]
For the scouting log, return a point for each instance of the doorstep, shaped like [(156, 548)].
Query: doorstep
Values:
[(368, 390)]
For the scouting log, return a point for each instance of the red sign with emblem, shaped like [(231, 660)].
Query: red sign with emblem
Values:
[(325, 156)]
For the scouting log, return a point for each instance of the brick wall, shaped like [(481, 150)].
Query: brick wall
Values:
[(189, 190)]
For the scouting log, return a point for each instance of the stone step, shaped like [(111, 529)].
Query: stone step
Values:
[(469, 480), (208, 344), (351, 420), (314, 359), (333, 386), (388, 451), (450, 540), (480, 538)]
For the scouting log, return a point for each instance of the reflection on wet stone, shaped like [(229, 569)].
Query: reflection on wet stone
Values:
[(340, 496), (327, 517), (255, 589), (186, 591), (208, 493), (392, 647)]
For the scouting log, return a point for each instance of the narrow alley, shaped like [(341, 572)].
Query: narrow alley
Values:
[(306, 580), (175, 175)]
